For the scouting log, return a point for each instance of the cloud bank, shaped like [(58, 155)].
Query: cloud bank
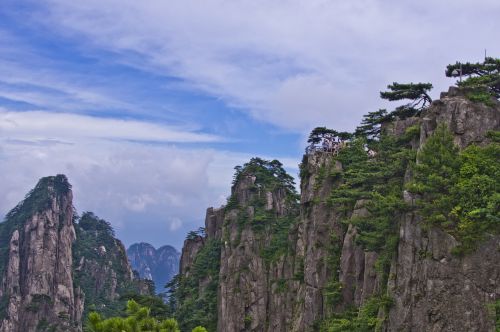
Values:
[(295, 64)]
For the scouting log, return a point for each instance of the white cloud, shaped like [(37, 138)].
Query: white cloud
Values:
[(135, 186), (175, 224), (34, 125), (292, 63)]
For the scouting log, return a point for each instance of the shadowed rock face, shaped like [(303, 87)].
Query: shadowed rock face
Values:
[(159, 265), (37, 283), (434, 291)]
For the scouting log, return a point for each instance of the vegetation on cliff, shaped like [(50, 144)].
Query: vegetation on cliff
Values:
[(37, 200), (195, 306), (100, 267), (482, 79), (138, 319), (459, 190)]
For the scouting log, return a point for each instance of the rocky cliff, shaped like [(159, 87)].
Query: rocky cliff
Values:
[(55, 266), (159, 265), (356, 254), (434, 290), (37, 285)]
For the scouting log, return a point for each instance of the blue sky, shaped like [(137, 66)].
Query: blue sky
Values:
[(148, 105)]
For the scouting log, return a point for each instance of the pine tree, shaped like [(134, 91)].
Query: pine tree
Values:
[(436, 175), (370, 125), (319, 133), (417, 93), (483, 78)]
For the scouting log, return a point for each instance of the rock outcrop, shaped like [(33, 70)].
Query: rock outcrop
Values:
[(324, 270), (159, 265), (37, 283), (434, 290), (55, 266)]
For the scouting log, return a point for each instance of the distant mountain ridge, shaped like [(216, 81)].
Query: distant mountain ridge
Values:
[(159, 265)]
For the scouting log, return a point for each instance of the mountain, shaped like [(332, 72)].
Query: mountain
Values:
[(56, 266), (159, 265), (399, 233)]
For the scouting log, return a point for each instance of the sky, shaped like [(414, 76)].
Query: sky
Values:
[(147, 106)]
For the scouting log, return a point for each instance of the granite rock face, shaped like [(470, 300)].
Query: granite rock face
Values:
[(55, 265), (431, 289), (252, 292), (38, 280)]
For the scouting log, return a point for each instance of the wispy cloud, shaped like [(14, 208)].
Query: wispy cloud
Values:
[(291, 63), (41, 125)]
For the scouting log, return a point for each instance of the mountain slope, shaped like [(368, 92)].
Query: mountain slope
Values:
[(159, 265)]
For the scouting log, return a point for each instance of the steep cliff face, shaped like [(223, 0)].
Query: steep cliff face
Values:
[(256, 289), (159, 265), (37, 285), (55, 267), (434, 290), (358, 254), (251, 265)]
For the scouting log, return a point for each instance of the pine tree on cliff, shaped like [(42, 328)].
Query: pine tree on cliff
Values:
[(417, 93), (370, 125), (483, 78)]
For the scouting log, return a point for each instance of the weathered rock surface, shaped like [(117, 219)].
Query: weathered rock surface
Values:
[(254, 295), (431, 289), (38, 280), (54, 266)]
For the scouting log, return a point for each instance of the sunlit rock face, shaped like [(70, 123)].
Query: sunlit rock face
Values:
[(430, 288), (38, 284), (55, 266)]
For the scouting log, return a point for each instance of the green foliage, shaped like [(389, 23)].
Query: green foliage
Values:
[(435, 176), (200, 232), (332, 291), (92, 233), (476, 195), (354, 182), (279, 244), (199, 329), (494, 309), (364, 319), (483, 78), (138, 319), (269, 174), (370, 125), (158, 308), (379, 182), (194, 306), (459, 190), (417, 93), (319, 133), (247, 321)]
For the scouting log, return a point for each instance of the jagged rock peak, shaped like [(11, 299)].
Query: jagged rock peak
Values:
[(37, 280)]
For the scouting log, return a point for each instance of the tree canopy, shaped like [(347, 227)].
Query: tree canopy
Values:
[(138, 319), (320, 133), (483, 78), (416, 93)]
